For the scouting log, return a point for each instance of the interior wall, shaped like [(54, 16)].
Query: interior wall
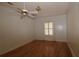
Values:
[(59, 34), (73, 28), (14, 31)]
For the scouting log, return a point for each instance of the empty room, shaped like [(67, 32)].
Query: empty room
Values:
[(39, 29)]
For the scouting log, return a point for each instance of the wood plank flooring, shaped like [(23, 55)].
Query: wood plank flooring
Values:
[(41, 48)]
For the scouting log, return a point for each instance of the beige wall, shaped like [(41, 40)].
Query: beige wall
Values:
[(14, 31), (73, 28), (59, 35)]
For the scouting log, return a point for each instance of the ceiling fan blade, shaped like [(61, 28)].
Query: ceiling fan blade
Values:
[(33, 13), (38, 8), (30, 15), (17, 9), (20, 9), (11, 4)]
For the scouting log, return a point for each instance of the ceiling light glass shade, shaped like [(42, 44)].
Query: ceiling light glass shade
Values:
[(25, 10), (24, 13)]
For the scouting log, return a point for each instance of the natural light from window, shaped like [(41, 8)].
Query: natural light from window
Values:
[(48, 28)]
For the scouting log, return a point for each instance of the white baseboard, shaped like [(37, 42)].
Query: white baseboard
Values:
[(73, 54), (17, 46)]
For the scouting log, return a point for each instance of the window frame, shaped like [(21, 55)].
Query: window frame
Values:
[(52, 28)]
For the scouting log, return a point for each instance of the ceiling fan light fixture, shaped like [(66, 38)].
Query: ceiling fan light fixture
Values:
[(25, 10), (24, 13)]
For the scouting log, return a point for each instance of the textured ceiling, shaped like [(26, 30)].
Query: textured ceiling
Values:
[(47, 8)]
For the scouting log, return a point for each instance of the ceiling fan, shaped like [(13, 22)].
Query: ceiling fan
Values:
[(24, 12)]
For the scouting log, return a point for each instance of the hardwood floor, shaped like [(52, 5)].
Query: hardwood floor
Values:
[(41, 48)]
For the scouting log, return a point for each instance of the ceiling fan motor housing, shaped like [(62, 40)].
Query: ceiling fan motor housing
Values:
[(24, 12)]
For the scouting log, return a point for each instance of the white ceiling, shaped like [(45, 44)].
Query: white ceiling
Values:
[(47, 8)]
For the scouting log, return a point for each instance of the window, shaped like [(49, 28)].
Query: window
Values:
[(48, 28)]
